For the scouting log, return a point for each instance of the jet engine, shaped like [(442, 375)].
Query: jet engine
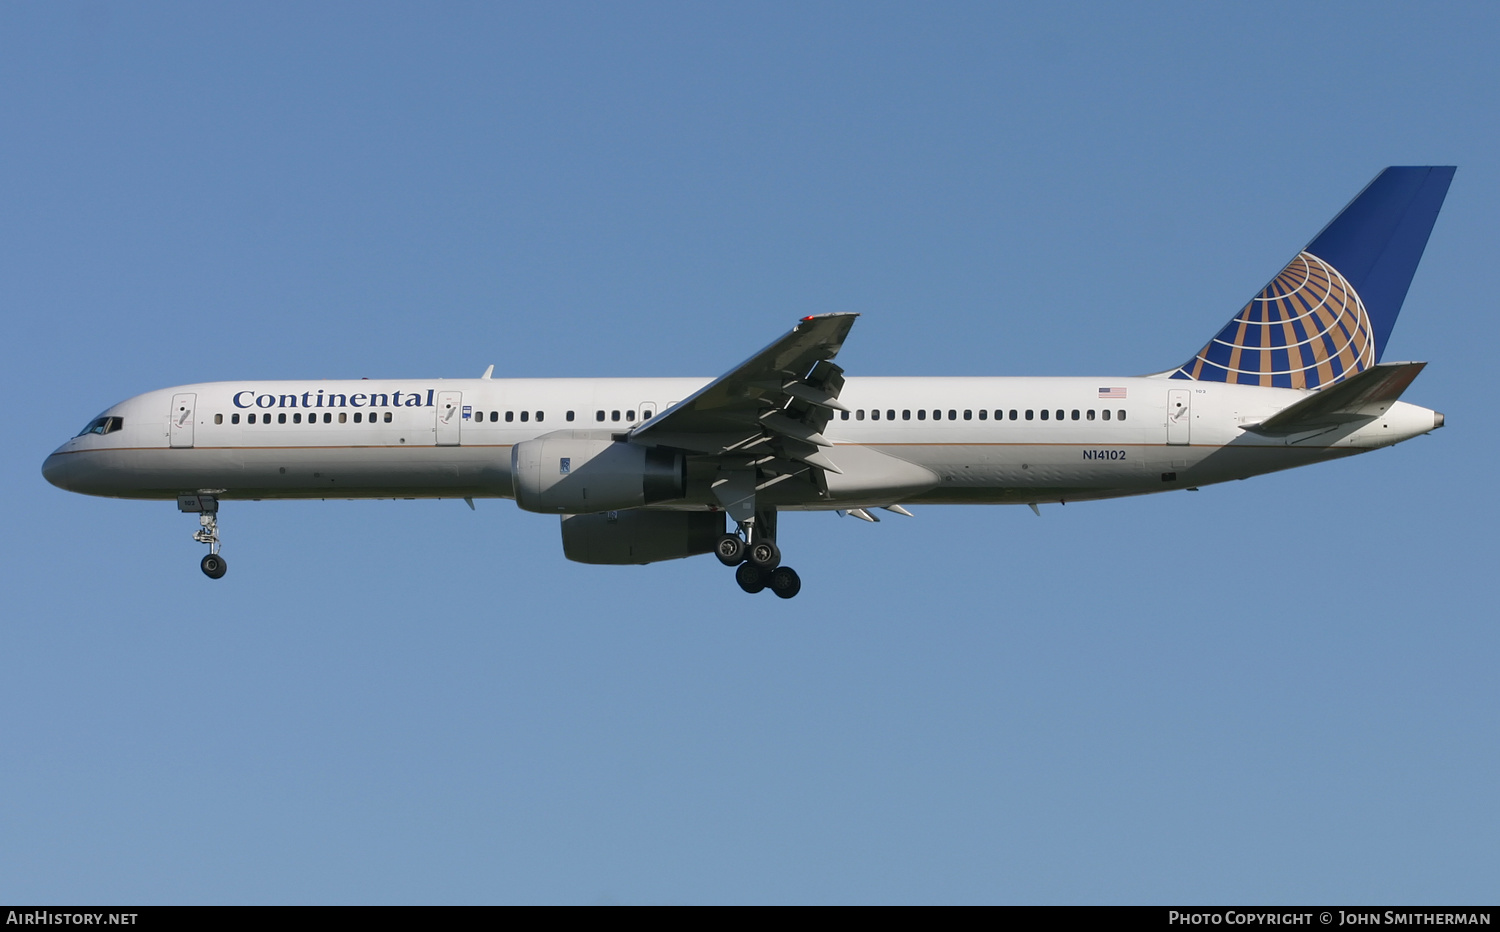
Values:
[(579, 472), (640, 536)]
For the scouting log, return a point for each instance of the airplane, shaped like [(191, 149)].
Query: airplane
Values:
[(643, 470)]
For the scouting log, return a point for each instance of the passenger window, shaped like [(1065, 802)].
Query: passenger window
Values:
[(968, 415), (251, 419), (234, 418), (524, 416), (569, 416), (1091, 414), (906, 414), (859, 415), (327, 417), (921, 414), (1075, 414), (983, 413), (1013, 414), (343, 417), (1121, 414), (510, 416), (1045, 412), (1059, 414), (952, 414), (890, 414), (1028, 414), (614, 415), (540, 415), (598, 415), (629, 415), (281, 418), (388, 417), (1106, 414), (874, 414), (494, 416), (843, 415), (297, 417), (358, 417), (218, 418)]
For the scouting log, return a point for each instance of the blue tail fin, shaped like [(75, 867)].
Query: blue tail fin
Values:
[(1330, 311)]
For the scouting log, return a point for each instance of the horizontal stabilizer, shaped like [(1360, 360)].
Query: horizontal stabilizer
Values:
[(1363, 396)]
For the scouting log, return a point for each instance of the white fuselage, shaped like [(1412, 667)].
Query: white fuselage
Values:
[(903, 440)]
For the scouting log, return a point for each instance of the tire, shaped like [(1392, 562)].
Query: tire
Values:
[(213, 566), (784, 582), (764, 554), (730, 550), (751, 578)]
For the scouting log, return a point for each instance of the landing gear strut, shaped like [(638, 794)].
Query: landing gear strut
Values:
[(206, 506), (757, 559)]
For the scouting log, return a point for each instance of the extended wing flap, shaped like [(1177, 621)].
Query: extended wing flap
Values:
[(1368, 394), (770, 393)]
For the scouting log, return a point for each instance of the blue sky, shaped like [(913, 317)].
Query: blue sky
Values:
[(1276, 691)]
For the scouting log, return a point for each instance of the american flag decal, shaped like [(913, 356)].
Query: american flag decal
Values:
[(1117, 394)]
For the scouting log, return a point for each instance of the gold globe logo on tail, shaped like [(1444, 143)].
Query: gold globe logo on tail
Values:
[(1306, 329)]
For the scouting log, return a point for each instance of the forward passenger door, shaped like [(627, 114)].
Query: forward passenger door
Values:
[(182, 420)]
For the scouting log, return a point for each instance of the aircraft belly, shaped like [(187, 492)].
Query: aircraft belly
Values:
[(1002, 473), (151, 473), (376, 472), (1021, 466), (296, 472)]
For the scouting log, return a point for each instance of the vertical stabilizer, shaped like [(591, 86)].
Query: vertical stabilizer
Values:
[(1329, 313)]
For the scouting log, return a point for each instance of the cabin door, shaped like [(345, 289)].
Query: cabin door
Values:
[(182, 420), (449, 419), (1179, 416)]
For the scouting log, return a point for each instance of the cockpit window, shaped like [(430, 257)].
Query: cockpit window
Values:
[(103, 425)]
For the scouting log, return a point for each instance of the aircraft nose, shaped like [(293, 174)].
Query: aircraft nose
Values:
[(55, 470)]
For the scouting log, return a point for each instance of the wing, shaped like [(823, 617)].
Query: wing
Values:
[(771, 407)]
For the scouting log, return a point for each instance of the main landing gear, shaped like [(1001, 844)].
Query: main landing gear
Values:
[(206, 506), (757, 559)]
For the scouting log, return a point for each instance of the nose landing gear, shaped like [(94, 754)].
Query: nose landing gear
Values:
[(206, 506)]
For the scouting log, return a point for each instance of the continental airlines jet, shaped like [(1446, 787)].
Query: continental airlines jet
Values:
[(642, 470)]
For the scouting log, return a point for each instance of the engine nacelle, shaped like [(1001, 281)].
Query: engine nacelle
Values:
[(640, 536), (579, 472)]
